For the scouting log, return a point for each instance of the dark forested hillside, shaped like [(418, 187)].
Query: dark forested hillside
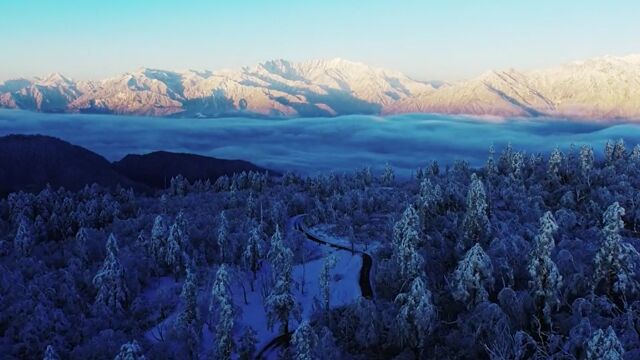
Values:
[(157, 168), (29, 162), (532, 256)]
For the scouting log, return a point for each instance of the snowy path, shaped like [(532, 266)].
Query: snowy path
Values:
[(364, 280)]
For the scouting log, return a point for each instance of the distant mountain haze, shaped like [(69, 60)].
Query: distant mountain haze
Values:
[(599, 88)]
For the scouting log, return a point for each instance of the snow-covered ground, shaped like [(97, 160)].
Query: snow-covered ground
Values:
[(344, 290)]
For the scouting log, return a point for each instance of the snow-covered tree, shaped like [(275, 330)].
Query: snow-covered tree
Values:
[(110, 282), (189, 314), (82, 237), (173, 252), (388, 175), (416, 316), (223, 236), (604, 345), (158, 241), (24, 239), (405, 241), (615, 261), (281, 304), (554, 164), (475, 225), (253, 253), (586, 163), (222, 306), (247, 345), (179, 185), (50, 354), (187, 321), (546, 281), (304, 341), (473, 277), (325, 281), (130, 351), (429, 200), (490, 166)]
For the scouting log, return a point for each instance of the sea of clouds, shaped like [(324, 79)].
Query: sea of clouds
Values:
[(311, 145)]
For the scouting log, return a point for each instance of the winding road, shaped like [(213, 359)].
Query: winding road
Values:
[(364, 280)]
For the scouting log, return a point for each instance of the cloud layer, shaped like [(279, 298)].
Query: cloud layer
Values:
[(313, 145)]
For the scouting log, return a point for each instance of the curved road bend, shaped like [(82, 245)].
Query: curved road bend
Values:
[(364, 281)]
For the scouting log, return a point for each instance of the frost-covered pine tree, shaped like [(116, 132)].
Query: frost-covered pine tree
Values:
[(158, 240), (82, 237), (109, 281), (24, 239), (475, 225), (281, 304), (253, 253), (222, 306), (619, 150), (247, 346), (130, 351), (586, 163), (604, 345), (429, 199), (416, 316), (405, 241), (388, 176), (304, 341), (554, 164), (173, 251), (490, 166), (187, 320), (325, 281), (189, 314), (50, 354), (546, 281), (615, 262), (635, 154), (223, 236), (473, 277)]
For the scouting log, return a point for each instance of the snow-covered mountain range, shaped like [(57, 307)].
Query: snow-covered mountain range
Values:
[(600, 88)]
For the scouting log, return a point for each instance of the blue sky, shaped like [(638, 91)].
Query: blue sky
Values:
[(429, 40)]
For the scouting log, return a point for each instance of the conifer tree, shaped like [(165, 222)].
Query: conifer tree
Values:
[(253, 253), (304, 341), (158, 241), (586, 163), (50, 354), (473, 277), (281, 304), (130, 351), (187, 321), (388, 175), (222, 307), (555, 162), (405, 241), (546, 280), (415, 318), (173, 252), (82, 237), (24, 238), (604, 345), (615, 261), (475, 224), (325, 279), (223, 236), (112, 289)]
